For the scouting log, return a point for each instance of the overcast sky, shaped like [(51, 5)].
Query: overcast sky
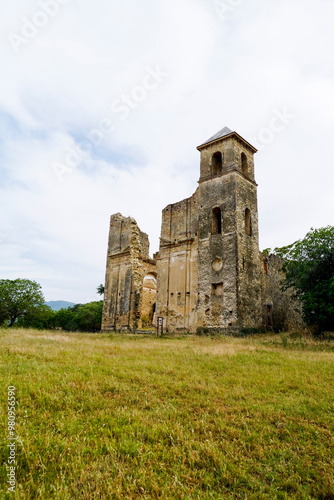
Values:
[(104, 102)]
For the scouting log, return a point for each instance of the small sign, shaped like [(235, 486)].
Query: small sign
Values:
[(160, 326)]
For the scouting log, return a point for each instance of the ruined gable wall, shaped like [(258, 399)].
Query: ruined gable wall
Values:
[(127, 264), (144, 245), (177, 266), (118, 282)]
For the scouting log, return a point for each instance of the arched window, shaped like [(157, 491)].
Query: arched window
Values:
[(244, 164), (216, 221), (149, 293), (248, 222), (216, 163)]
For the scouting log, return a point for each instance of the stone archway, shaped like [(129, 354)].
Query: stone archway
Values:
[(149, 295)]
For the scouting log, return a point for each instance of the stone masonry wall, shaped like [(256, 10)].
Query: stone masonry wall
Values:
[(208, 276), (128, 263), (229, 274), (177, 266), (285, 312)]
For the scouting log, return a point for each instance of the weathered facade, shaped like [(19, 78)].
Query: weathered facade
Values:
[(281, 310), (208, 264), (210, 274), (130, 285)]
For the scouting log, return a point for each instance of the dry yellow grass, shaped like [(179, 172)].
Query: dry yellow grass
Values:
[(116, 416)]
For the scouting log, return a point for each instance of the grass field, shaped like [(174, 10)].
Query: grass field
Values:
[(125, 417)]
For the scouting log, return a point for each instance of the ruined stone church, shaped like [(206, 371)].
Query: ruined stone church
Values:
[(209, 275)]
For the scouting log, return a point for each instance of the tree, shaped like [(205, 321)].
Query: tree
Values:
[(81, 317), (100, 289), (18, 298), (309, 269), (64, 318), (40, 318), (89, 316)]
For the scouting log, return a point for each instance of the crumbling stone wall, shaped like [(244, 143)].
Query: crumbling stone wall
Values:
[(128, 263), (177, 266), (208, 267), (208, 276), (279, 310)]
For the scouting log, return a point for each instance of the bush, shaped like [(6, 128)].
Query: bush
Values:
[(309, 271), (40, 318), (80, 318)]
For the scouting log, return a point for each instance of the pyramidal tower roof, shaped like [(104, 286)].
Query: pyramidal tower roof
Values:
[(225, 132)]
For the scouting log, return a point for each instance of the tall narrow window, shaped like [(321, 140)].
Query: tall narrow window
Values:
[(217, 163), (216, 221), (248, 222), (244, 164)]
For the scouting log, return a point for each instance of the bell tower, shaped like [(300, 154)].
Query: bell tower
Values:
[(229, 284)]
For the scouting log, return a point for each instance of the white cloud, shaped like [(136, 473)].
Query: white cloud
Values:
[(234, 72)]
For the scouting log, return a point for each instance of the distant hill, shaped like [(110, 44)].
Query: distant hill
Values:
[(59, 304)]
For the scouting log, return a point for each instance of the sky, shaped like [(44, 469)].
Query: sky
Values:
[(103, 104)]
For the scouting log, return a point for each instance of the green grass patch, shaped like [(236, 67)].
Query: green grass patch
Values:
[(133, 416)]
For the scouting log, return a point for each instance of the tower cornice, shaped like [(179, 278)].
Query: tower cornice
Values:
[(230, 171), (224, 134)]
